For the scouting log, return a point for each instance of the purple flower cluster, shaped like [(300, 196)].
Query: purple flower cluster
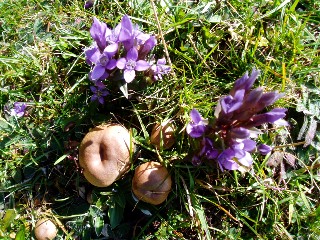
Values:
[(229, 138), (125, 48), (18, 109)]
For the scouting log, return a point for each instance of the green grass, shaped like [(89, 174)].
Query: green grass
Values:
[(210, 44)]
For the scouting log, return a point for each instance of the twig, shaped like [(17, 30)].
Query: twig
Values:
[(290, 145), (198, 53), (162, 38)]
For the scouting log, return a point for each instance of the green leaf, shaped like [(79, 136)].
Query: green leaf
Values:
[(116, 209), (60, 159), (8, 218), (115, 215), (98, 224), (201, 216), (21, 235)]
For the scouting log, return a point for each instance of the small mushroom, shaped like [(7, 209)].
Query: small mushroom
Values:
[(104, 154), (163, 135), (151, 183), (45, 229)]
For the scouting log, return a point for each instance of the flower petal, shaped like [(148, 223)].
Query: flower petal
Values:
[(93, 89), (195, 130), (101, 100), (111, 64), (141, 65), (124, 35), (240, 132), (249, 145), (126, 23), (94, 98), (129, 75), (132, 54), (92, 55), (121, 63), (97, 72), (195, 116), (246, 160), (111, 49), (98, 31), (264, 149)]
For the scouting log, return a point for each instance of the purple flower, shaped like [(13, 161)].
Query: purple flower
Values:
[(233, 159), (197, 126), (267, 99), (208, 149), (147, 46), (102, 62), (264, 149), (247, 145), (98, 33), (126, 35), (239, 132), (88, 4), (18, 109), (236, 117), (245, 82), (159, 69), (231, 103), (269, 117), (130, 65), (99, 92), (112, 38), (130, 35)]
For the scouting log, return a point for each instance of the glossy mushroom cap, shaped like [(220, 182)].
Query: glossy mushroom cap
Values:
[(104, 154), (45, 229), (163, 135), (151, 183)]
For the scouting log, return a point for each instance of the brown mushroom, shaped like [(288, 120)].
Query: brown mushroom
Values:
[(151, 183), (45, 229), (104, 154), (163, 135)]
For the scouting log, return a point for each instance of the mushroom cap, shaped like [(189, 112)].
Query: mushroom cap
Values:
[(151, 183), (104, 154), (45, 229), (163, 132)]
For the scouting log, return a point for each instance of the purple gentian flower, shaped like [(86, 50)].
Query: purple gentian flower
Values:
[(233, 159), (88, 4), (159, 69), (264, 149), (130, 65), (245, 82), (130, 35), (103, 62), (247, 145), (126, 35), (112, 37), (196, 128), (19, 109), (208, 149), (99, 92), (267, 99), (98, 33), (231, 103), (269, 117), (240, 132), (147, 46)]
